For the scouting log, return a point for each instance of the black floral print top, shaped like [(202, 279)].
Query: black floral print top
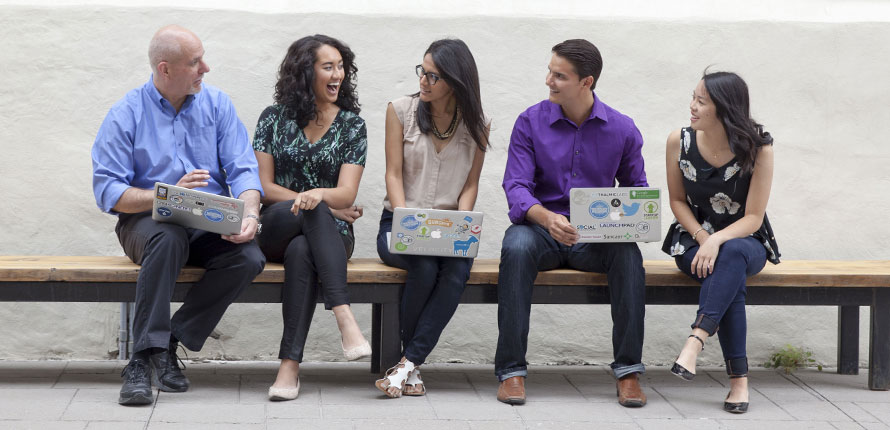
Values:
[(301, 165), (717, 197)]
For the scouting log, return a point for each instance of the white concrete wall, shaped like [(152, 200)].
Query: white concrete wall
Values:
[(817, 71)]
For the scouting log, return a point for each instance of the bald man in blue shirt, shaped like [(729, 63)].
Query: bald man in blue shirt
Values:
[(176, 130)]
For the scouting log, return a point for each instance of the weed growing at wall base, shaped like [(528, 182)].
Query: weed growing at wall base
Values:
[(791, 358)]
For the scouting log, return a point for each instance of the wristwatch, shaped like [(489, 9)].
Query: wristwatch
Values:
[(259, 225)]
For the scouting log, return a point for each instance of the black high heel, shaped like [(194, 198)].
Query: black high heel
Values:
[(681, 371), (735, 408)]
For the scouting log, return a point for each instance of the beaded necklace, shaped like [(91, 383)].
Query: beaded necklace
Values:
[(451, 127)]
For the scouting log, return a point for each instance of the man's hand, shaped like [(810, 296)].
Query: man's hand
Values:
[(349, 214), (307, 200), (248, 231), (561, 229), (249, 224), (194, 179)]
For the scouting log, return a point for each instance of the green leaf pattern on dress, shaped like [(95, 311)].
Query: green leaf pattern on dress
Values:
[(301, 165)]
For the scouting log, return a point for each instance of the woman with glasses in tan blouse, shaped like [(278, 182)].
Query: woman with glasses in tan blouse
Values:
[(435, 145)]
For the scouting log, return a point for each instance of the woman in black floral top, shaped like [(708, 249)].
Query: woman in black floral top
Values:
[(719, 174), (311, 147)]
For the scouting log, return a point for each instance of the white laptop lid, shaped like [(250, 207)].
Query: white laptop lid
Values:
[(197, 209), (624, 214), (441, 233)]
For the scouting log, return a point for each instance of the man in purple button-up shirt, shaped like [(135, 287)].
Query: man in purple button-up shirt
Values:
[(572, 140)]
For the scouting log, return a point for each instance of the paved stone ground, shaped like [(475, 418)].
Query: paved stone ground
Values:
[(83, 395)]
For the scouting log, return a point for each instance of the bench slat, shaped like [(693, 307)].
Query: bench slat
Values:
[(801, 273)]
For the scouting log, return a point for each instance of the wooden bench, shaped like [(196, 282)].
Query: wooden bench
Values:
[(846, 284)]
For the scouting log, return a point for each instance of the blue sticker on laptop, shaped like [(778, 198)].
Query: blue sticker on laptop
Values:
[(213, 215), (599, 209), (410, 222), (631, 210), (164, 212)]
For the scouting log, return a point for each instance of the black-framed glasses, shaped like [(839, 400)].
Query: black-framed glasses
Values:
[(431, 77)]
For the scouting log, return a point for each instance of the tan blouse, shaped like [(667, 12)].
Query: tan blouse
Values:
[(432, 180)]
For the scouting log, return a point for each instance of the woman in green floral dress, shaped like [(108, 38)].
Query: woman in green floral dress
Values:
[(311, 147)]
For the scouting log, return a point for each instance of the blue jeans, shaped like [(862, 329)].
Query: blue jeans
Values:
[(528, 249), (432, 292), (721, 303)]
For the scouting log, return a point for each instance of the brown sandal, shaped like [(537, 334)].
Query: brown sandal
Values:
[(414, 384), (393, 382)]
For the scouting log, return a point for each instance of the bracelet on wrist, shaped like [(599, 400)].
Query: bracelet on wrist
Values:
[(697, 232)]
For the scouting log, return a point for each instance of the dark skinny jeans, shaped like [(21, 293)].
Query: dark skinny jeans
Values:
[(721, 302), (312, 249), (432, 292)]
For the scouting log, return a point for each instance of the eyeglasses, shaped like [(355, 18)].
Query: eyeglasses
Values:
[(431, 77)]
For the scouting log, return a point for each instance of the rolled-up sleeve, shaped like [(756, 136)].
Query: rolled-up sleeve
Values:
[(632, 168), (112, 156), (519, 175), (235, 151)]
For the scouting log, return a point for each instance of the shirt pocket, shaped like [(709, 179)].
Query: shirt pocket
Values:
[(204, 148)]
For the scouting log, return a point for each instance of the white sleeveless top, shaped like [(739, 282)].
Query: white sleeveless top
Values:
[(432, 180)]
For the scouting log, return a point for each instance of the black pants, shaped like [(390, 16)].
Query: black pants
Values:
[(162, 250), (312, 249)]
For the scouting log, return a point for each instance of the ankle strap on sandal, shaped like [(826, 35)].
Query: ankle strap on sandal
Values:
[(699, 340), (738, 376)]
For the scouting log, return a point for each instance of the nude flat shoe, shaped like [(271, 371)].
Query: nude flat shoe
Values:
[(279, 394), (358, 352)]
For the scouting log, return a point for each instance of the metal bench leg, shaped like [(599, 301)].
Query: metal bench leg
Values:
[(879, 341), (385, 340), (848, 340), (390, 340), (375, 337), (123, 333)]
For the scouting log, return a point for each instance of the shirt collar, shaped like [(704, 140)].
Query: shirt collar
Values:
[(598, 111), (159, 99)]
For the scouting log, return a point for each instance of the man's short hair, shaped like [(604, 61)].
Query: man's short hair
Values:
[(165, 46), (583, 56)]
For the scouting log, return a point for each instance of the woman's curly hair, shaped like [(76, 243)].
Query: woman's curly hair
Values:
[(297, 74)]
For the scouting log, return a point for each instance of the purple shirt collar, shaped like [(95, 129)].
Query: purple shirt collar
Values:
[(598, 111)]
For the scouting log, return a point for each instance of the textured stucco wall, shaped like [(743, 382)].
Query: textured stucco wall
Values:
[(820, 88)]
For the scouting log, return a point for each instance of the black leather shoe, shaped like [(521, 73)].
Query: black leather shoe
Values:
[(166, 374), (681, 371), (137, 384), (735, 408)]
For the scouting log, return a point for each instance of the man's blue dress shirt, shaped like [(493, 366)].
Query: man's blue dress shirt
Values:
[(144, 140)]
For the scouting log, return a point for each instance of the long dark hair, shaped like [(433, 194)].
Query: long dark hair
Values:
[(297, 74), (458, 68), (730, 96)]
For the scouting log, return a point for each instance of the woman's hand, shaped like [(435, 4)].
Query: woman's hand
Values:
[(349, 214), (307, 200), (706, 257)]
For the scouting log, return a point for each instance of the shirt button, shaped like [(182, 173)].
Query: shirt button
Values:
[(577, 152), (574, 174)]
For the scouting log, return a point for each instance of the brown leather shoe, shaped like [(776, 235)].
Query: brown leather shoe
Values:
[(512, 391), (630, 395)]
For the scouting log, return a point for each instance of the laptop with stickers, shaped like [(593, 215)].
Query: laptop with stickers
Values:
[(441, 233), (624, 214), (197, 209)]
